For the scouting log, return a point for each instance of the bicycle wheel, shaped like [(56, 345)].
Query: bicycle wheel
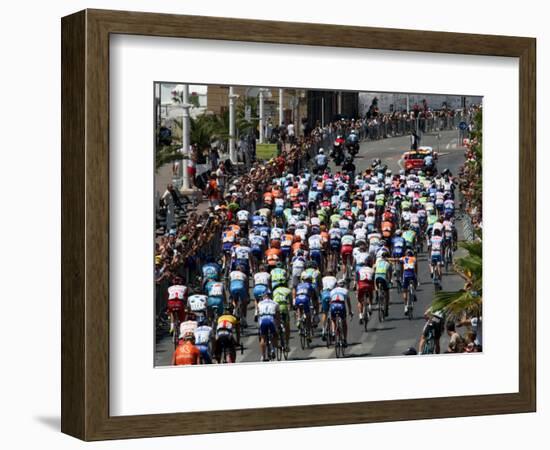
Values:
[(328, 335), (410, 301), (381, 302), (303, 337), (365, 318)]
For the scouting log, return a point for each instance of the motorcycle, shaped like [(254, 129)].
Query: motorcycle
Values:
[(353, 148), (338, 151)]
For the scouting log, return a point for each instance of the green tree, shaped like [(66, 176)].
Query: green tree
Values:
[(468, 300)]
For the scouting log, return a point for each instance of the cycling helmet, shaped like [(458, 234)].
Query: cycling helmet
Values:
[(321, 151), (243, 241), (177, 280), (279, 265), (341, 282), (385, 254), (398, 232), (409, 252)]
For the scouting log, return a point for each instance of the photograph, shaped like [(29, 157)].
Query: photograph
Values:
[(296, 224)]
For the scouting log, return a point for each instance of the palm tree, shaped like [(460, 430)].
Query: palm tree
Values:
[(468, 300)]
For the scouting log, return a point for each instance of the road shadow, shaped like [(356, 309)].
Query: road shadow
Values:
[(304, 358), (381, 329), (51, 422)]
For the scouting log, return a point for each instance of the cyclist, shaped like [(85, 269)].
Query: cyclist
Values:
[(241, 256), (432, 330), (203, 340), (211, 271), (382, 275), (216, 297), (227, 336), (238, 290), (321, 161), (282, 295), (197, 305), (301, 298), (339, 299), (346, 250), (328, 284), (268, 323), (186, 353), (257, 247), (262, 281), (435, 245), (365, 287), (177, 297), (410, 269), (279, 276)]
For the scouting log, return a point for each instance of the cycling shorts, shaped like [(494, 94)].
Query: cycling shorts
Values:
[(238, 290), (279, 211), (335, 244), (205, 354), (285, 251), (259, 291), (382, 283), (257, 252), (316, 255), (325, 300), (266, 325), (303, 301), (398, 252), (408, 278), (337, 308), (436, 259), (216, 302), (346, 250), (364, 287), (176, 306)]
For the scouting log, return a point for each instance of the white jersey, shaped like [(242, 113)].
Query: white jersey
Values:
[(343, 224), (268, 307), (262, 278), (315, 242), (335, 234), (177, 291), (241, 252), (302, 232), (237, 275), (256, 241), (437, 226), (436, 242), (365, 273), (276, 233), (329, 283), (202, 335), (243, 215), (360, 234), (198, 303), (279, 203), (315, 222), (348, 239), (216, 289), (360, 257), (187, 327)]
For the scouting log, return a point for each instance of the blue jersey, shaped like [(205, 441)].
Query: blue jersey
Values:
[(211, 271), (304, 289)]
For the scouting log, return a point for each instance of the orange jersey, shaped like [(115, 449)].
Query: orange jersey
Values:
[(387, 226), (235, 228), (297, 246), (268, 198), (293, 193), (273, 255), (186, 354), (324, 236)]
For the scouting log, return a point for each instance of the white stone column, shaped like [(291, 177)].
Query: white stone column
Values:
[(185, 138), (232, 152), (261, 114), (281, 110), (339, 102)]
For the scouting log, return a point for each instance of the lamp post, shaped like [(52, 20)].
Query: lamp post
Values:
[(261, 114), (185, 138), (281, 115), (232, 152)]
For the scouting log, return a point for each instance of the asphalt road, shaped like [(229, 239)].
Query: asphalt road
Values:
[(393, 336)]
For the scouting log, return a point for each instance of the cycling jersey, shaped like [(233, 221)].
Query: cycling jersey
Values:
[(315, 242), (381, 269), (339, 295), (203, 335), (329, 283), (262, 278), (281, 296), (177, 291), (197, 302), (215, 289)]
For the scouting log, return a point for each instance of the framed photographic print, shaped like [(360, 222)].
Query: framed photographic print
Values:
[(286, 224)]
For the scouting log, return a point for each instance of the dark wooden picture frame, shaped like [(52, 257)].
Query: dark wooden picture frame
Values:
[(85, 224)]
